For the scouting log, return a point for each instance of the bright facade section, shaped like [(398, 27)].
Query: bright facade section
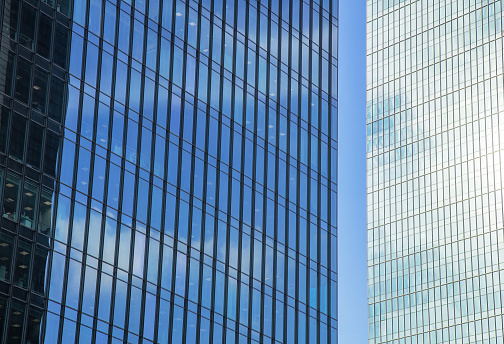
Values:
[(168, 171), (435, 153)]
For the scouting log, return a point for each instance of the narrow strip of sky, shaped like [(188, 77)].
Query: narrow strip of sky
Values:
[(352, 254)]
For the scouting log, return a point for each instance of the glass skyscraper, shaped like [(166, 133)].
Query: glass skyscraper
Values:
[(168, 171), (435, 144)]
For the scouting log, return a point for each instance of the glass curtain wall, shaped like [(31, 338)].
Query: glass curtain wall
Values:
[(34, 50), (168, 171), (435, 105)]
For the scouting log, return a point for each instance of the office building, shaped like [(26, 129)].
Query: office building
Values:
[(435, 117), (168, 171)]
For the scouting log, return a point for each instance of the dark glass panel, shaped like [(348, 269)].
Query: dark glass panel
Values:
[(56, 99), (45, 212), (16, 322), (17, 136), (51, 153), (39, 95), (23, 80), (6, 74), (4, 127), (49, 2), (6, 245), (35, 144), (44, 36), (64, 6), (11, 18), (33, 325), (39, 269), (3, 315), (28, 211), (27, 29), (61, 44), (22, 264), (11, 197)]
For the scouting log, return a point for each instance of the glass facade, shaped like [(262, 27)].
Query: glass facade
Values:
[(435, 106), (168, 171)]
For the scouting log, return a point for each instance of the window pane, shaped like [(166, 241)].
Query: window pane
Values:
[(39, 98), (17, 137), (51, 153), (8, 73), (11, 197), (11, 19), (44, 36), (34, 151), (40, 269), (28, 17), (34, 320), (56, 99), (29, 204), (62, 216), (45, 212), (23, 77), (4, 127), (16, 317), (64, 7), (22, 265), (61, 45), (6, 242)]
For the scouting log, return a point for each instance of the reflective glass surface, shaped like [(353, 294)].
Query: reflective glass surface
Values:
[(434, 122), (168, 171)]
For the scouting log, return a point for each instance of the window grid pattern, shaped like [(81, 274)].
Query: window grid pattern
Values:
[(434, 151), (185, 190)]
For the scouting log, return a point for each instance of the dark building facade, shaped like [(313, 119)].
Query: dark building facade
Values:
[(168, 171)]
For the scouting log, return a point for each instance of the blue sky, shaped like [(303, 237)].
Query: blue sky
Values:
[(352, 255)]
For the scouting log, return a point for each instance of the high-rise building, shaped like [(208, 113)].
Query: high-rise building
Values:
[(435, 115), (168, 171)]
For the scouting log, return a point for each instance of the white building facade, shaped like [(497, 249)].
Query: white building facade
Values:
[(435, 163)]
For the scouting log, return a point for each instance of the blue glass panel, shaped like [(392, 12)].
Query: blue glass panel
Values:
[(68, 331)]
